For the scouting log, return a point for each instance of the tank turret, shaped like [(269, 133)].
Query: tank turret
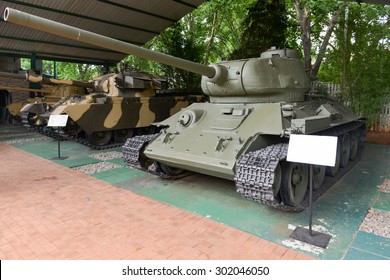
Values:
[(242, 134)]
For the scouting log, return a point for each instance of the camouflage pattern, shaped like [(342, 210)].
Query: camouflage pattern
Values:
[(51, 92), (118, 105)]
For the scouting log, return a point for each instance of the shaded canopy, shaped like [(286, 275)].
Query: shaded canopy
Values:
[(135, 21)]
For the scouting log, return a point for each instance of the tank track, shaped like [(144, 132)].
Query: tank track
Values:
[(132, 155), (133, 148), (24, 119), (44, 130), (255, 171), (85, 142)]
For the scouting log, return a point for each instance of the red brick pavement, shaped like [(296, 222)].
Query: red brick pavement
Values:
[(52, 212)]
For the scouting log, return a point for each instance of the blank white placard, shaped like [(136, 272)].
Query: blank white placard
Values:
[(312, 149), (57, 120)]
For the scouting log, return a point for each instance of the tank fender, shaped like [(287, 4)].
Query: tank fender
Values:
[(329, 111), (36, 108)]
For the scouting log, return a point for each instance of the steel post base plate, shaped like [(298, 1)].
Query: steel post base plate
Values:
[(316, 238), (59, 158)]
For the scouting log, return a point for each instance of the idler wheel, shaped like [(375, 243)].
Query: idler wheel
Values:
[(71, 128), (345, 150), (121, 135), (99, 138), (354, 136), (169, 170), (294, 182), (318, 176)]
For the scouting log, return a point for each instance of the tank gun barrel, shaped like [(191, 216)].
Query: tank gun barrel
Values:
[(13, 75), (45, 80), (215, 73), (51, 81)]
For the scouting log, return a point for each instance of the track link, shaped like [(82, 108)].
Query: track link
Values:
[(133, 149), (255, 171)]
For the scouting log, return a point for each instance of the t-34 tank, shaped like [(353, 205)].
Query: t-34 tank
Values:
[(242, 134)]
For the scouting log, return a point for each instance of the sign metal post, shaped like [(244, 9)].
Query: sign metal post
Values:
[(58, 121), (312, 150)]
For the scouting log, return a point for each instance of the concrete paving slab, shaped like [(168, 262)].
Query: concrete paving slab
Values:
[(49, 211)]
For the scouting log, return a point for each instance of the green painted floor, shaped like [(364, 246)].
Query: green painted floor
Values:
[(339, 212)]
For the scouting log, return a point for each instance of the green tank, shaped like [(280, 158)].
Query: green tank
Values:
[(242, 134)]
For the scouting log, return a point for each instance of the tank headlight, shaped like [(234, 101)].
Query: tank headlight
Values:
[(187, 118)]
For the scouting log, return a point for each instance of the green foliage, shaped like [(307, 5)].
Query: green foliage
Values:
[(179, 41), (66, 70), (209, 34), (360, 58), (77, 71), (265, 26)]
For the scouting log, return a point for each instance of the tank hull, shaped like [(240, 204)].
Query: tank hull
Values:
[(114, 113), (219, 134), (216, 137)]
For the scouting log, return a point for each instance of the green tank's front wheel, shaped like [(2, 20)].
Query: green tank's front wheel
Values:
[(99, 138), (169, 170), (294, 182)]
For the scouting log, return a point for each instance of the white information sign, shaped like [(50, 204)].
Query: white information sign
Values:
[(312, 149), (57, 120)]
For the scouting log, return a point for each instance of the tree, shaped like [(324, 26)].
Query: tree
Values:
[(317, 30), (360, 58), (265, 26), (209, 34)]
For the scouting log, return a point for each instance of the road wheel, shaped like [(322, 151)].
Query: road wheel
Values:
[(121, 135), (294, 182), (99, 138)]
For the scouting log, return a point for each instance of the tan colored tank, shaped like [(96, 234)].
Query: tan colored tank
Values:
[(51, 92), (242, 134), (120, 106)]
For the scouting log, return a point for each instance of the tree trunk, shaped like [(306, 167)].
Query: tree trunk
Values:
[(303, 18), (325, 41), (212, 36)]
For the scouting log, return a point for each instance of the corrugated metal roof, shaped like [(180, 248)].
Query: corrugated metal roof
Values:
[(135, 21)]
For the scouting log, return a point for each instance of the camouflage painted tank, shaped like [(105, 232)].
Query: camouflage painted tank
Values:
[(242, 134), (120, 106), (32, 112)]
